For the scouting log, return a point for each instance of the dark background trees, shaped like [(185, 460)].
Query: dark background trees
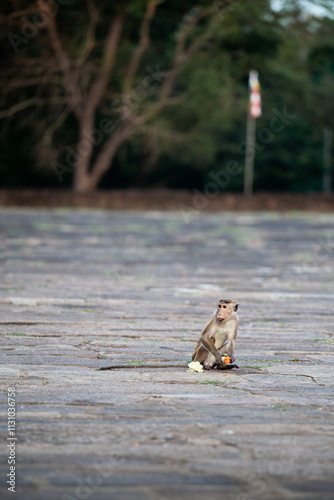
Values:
[(148, 93)]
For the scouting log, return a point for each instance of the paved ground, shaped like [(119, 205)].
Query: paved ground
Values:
[(82, 289)]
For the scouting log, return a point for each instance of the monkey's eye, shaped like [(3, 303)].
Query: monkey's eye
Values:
[(219, 306), (224, 307)]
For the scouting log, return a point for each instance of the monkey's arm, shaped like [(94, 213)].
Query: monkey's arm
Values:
[(210, 346), (229, 346)]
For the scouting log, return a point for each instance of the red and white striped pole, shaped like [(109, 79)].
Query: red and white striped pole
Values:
[(254, 113)]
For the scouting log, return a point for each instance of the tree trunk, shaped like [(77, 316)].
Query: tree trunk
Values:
[(81, 183), (83, 155), (85, 181)]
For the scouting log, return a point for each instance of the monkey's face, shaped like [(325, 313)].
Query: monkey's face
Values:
[(225, 311)]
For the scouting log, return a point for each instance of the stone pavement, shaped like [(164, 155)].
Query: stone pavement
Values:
[(82, 289)]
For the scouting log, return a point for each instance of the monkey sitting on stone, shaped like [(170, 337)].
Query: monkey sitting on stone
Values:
[(218, 337)]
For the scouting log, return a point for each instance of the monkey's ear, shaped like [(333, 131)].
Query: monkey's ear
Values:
[(236, 307)]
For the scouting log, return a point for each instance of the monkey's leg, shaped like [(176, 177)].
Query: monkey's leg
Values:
[(209, 361), (203, 356), (195, 353), (200, 354)]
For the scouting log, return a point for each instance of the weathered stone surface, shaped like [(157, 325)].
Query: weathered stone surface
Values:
[(83, 289)]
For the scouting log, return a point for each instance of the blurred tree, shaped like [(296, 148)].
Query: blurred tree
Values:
[(84, 65)]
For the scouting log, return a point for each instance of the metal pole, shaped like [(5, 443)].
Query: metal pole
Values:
[(250, 155), (327, 160)]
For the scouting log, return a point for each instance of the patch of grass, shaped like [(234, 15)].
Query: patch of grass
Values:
[(268, 362), (108, 339), (210, 382), (45, 226), (295, 360), (185, 340), (282, 324), (16, 334), (274, 360), (136, 228), (95, 228), (111, 272), (279, 406), (171, 225), (323, 341), (136, 362)]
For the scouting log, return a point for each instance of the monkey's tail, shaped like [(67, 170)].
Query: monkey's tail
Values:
[(156, 365)]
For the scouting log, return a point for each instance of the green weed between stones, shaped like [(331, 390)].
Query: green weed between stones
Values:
[(279, 406), (210, 382), (16, 334), (268, 362)]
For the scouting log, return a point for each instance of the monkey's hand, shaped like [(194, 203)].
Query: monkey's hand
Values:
[(230, 366), (227, 362), (219, 359), (206, 367), (232, 358)]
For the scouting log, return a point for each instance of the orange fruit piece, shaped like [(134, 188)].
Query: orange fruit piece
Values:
[(227, 360)]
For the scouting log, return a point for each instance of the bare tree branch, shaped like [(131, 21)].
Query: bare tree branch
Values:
[(18, 13), (182, 53), (64, 60), (90, 37), (29, 82), (48, 134), (144, 41), (31, 102), (107, 154), (18, 107), (95, 96), (110, 50)]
